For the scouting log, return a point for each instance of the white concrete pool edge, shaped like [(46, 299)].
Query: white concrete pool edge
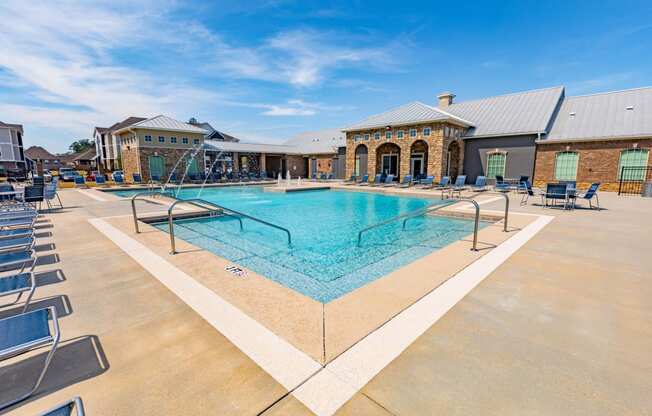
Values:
[(284, 362), (322, 389), (346, 375)]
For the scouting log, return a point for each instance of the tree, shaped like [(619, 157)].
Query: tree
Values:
[(81, 145)]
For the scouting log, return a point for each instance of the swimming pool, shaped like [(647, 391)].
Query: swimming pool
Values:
[(324, 261)]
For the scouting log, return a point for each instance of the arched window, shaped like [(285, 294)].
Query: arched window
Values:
[(566, 166), (496, 164), (633, 161)]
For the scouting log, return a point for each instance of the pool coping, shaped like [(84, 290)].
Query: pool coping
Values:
[(326, 389), (323, 331)]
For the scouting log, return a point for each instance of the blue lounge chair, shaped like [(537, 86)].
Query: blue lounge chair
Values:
[(406, 182), (480, 184), (157, 179), (590, 193), (363, 179), (374, 182), (18, 284), (428, 182), (100, 180), (350, 181), (444, 183), (16, 244), (16, 233), (18, 259), (18, 213), (80, 182), (389, 181), (16, 223), (322, 177), (137, 179), (458, 186), (73, 407), (25, 332)]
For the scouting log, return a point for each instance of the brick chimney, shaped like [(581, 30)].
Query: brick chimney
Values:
[(445, 99)]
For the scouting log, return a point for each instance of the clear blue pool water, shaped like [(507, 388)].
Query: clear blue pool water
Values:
[(324, 261)]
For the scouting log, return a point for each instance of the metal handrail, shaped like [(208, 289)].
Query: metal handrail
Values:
[(142, 194), (416, 213), (504, 195), (476, 224), (225, 211)]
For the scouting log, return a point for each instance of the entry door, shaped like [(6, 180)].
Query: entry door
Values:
[(156, 166), (390, 164), (416, 167)]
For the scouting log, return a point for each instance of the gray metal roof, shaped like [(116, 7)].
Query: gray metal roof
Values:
[(162, 122), (410, 113), (527, 112), (604, 116), (318, 142), (240, 147)]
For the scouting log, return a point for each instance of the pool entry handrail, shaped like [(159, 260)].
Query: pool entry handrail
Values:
[(202, 203), (416, 213), (141, 196), (504, 195)]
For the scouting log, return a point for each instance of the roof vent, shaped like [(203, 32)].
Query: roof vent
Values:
[(572, 114), (629, 107)]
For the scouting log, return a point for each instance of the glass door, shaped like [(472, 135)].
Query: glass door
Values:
[(390, 164)]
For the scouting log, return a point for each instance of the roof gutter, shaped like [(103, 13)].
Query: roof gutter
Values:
[(594, 139)]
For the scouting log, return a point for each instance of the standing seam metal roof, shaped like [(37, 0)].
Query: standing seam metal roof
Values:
[(604, 115), (414, 112), (525, 112)]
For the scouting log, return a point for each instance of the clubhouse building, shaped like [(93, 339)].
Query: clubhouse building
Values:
[(541, 134)]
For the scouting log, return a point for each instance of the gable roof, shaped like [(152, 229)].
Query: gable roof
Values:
[(410, 113), (37, 152), (527, 112), (18, 127), (318, 142), (125, 123), (162, 122), (604, 116)]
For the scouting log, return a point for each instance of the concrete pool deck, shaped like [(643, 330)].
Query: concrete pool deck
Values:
[(562, 326)]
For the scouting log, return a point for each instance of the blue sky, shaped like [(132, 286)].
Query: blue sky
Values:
[(264, 71)]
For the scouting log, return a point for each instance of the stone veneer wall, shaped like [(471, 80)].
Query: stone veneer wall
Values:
[(298, 162), (437, 148), (598, 161), (130, 162)]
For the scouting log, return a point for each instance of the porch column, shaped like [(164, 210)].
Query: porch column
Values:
[(236, 161), (263, 162)]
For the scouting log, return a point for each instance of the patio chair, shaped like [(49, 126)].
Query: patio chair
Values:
[(458, 186), (50, 194), (373, 182), (137, 179), (33, 194), (100, 180), (520, 187), (80, 182), (530, 192), (406, 182), (18, 259), (16, 233), (157, 178), (389, 181), (16, 244), (25, 332), (11, 214), (444, 182), (360, 181), (501, 185), (18, 284), (480, 184), (555, 192), (590, 193), (73, 407), (322, 177), (16, 223), (350, 181), (427, 183)]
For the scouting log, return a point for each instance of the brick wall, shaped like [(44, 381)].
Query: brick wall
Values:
[(136, 160), (437, 148), (598, 161), (297, 162)]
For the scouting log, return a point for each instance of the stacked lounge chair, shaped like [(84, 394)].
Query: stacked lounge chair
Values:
[(375, 182)]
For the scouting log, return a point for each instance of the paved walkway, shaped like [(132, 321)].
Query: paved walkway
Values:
[(562, 327)]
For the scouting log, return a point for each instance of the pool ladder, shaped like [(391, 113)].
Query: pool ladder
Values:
[(432, 208), (211, 207)]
